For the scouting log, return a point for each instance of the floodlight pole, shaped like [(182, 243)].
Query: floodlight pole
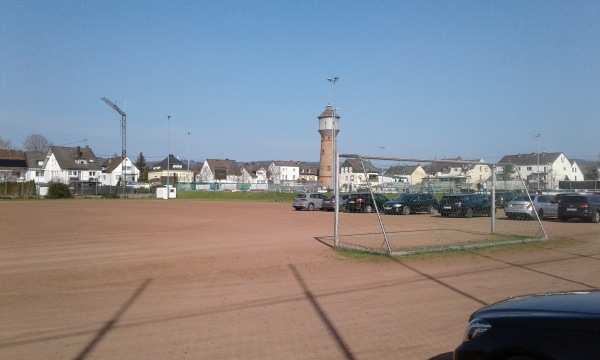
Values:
[(335, 161), (538, 162), (188, 143), (168, 153), (123, 138)]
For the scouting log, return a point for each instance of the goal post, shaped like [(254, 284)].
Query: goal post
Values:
[(470, 217)]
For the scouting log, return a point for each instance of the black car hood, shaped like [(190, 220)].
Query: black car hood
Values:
[(577, 310)]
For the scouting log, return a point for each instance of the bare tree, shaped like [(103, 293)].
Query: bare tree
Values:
[(36, 142), (4, 144)]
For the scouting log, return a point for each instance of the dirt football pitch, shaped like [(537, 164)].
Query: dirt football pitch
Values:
[(176, 279)]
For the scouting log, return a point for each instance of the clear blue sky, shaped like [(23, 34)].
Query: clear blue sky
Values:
[(423, 79)]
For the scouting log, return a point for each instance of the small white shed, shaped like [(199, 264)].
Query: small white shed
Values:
[(167, 192)]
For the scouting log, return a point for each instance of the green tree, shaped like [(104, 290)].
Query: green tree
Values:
[(507, 172), (140, 163), (58, 191)]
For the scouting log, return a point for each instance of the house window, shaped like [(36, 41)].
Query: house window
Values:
[(529, 168), (328, 167)]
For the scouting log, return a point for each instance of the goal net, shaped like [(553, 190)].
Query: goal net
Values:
[(403, 206)]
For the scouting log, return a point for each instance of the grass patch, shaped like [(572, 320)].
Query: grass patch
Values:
[(362, 255)]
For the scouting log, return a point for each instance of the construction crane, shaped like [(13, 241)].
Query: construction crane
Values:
[(123, 139)]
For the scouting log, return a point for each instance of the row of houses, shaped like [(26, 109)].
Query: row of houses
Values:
[(79, 165)]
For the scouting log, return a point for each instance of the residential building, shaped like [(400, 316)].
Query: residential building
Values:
[(112, 171), (548, 169), (456, 174), (254, 173), (356, 174), (71, 165), (35, 163), (172, 168), (13, 165), (307, 173), (220, 171), (284, 172), (409, 174)]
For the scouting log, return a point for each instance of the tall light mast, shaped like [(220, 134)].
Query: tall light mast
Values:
[(123, 138)]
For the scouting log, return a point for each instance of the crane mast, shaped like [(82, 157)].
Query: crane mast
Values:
[(123, 138)]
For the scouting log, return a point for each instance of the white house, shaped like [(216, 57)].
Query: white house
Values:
[(221, 174), (356, 174), (112, 171), (284, 172), (71, 165), (255, 174), (551, 168)]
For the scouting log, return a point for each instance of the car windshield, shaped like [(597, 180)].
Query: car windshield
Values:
[(402, 197), (522, 198)]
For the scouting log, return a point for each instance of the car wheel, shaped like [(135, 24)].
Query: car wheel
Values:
[(368, 209), (298, 208), (431, 210), (406, 210), (563, 219), (311, 206), (469, 213), (596, 217)]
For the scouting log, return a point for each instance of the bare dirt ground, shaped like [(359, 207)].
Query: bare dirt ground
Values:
[(156, 279)]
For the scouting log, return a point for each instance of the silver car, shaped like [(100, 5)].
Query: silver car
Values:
[(308, 201), (525, 207)]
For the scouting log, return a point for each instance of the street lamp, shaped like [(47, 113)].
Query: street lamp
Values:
[(189, 133), (334, 160), (168, 153), (538, 160)]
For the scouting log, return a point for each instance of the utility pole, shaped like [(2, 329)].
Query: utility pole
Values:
[(334, 177), (538, 162), (168, 154), (123, 138)]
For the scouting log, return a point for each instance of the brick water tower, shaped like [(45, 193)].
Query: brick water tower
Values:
[(328, 128)]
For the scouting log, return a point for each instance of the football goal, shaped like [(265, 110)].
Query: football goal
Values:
[(404, 206)]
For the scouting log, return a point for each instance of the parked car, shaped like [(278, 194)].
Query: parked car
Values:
[(406, 204), (465, 205), (564, 325), (525, 207), (308, 201), (559, 197), (584, 207), (329, 203), (503, 197), (363, 202), (139, 185)]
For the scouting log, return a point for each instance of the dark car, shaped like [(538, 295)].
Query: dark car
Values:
[(406, 204), (541, 326), (465, 205), (329, 203), (584, 207), (363, 202)]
